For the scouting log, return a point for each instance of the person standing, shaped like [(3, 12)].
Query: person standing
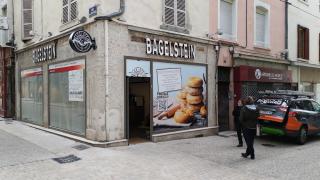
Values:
[(248, 119), (236, 114)]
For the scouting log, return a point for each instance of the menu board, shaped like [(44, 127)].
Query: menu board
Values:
[(169, 79)]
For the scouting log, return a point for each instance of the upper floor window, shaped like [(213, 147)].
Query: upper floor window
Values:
[(227, 20), (262, 26), (69, 11), (27, 19), (303, 42), (175, 13)]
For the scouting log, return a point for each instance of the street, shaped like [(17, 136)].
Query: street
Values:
[(26, 153)]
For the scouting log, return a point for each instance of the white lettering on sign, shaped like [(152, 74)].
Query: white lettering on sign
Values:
[(170, 49), (44, 53)]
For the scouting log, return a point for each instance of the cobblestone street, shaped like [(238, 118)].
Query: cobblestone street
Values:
[(27, 153)]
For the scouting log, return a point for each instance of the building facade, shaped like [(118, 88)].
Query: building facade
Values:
[(108, 72), (303, 43), (251, 50), (7, 97)]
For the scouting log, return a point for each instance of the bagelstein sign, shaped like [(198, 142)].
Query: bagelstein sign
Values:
[(160, 47)]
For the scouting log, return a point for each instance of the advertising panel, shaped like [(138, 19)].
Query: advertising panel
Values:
[(179, 97)]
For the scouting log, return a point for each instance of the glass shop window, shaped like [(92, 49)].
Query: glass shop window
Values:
[(67, 96), (32, 96)]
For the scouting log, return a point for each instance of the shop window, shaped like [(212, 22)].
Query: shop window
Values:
[(69, 11), (303, 42), (32, 96), (228, 18), (27, 19), (67, 96)]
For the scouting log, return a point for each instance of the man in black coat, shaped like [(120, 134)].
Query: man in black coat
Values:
[(248, 119), (236, 114)]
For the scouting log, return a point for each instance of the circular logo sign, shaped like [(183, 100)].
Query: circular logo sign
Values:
[(81, 41), (258, 74)]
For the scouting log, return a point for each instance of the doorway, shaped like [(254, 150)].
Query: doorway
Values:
[(223, 98), (139, 109)]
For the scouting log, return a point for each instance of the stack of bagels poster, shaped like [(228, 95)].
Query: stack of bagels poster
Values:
[(179, 96)]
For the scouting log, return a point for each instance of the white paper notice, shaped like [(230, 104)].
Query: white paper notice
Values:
[(169, 79), (76, 85)]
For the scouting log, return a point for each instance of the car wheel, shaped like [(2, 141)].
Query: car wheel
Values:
[(302, 136)]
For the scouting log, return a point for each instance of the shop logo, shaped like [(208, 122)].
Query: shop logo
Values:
[(258, 74), (81, 41), (138, 72)]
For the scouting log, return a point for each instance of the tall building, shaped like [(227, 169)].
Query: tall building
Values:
[(303, 41), (251, 51), (107, 71)]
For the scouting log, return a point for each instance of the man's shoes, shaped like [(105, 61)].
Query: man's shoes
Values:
[(245, 155), (252, 157), (239, 145)]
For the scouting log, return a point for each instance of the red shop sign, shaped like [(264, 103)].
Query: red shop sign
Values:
[(257, 74)]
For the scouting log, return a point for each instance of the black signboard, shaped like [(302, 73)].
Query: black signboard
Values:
[(81, 41)]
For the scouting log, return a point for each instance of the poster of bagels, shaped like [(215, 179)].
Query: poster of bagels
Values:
[(179, 97)]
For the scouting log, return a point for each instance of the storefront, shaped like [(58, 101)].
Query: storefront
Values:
[(129, 84), (248, 80)]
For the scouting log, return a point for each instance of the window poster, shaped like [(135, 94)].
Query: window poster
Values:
[(75, 74), (76, 85), (179, 97)]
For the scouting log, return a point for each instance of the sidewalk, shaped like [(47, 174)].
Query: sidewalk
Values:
[(31, 151)]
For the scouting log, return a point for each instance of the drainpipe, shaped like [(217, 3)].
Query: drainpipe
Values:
[(246, 23), (114, 14), (286, 28)]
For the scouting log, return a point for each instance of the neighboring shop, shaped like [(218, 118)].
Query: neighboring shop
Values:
[(249, 80), (128, 84), (6, 82), (309, 78)]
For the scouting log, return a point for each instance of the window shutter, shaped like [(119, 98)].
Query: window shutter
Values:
[(299, 43), (169, 12), (181, 13), (73, 10), (306, 49), (27, 19), (65, 11)]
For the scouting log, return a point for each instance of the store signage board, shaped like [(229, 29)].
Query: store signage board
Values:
[(169, 79), (160, 47), (259, 74), (136, 68), (82, 42), (44, 53)]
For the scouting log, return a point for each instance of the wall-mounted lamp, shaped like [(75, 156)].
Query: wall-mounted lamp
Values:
[(231, 49)]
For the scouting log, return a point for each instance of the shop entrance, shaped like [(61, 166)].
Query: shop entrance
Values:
[(139, 109), (223, 98)]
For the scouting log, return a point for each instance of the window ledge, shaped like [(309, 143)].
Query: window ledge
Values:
[(304, 2), (262, 48), (174, 28), (69, 25), (302, 60)]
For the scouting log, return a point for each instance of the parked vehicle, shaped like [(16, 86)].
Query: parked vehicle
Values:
[(288, 113)]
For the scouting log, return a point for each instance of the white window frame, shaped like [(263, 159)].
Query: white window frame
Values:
[(234, 35), (258, 3), (69, 12), (23, 37), (175, 9)]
